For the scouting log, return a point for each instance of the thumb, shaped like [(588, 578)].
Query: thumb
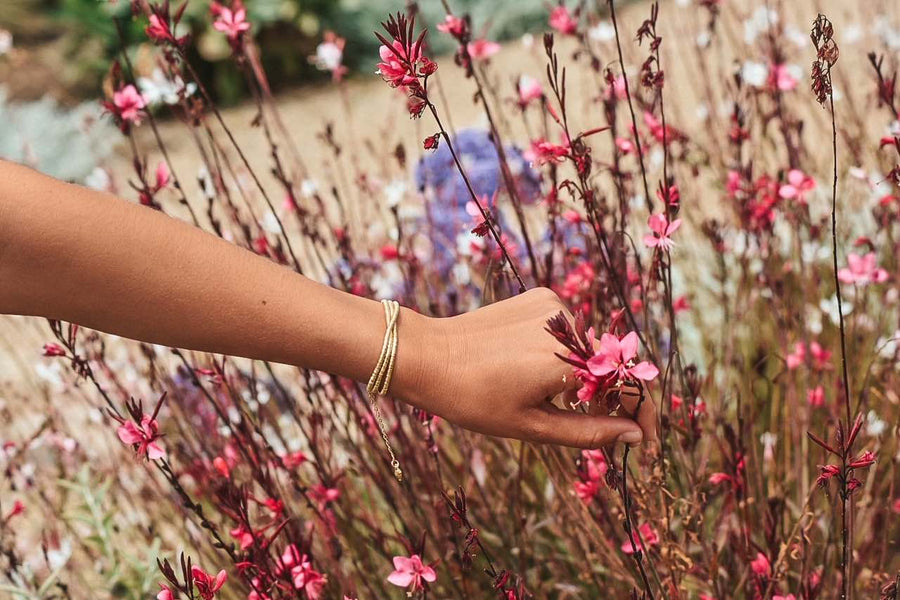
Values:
[(578, 430)]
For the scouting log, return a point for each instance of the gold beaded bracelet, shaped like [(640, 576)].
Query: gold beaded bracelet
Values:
[(380, 381)]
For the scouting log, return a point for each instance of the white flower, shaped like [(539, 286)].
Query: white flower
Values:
[(270, 223), (703, 38), (874, 425), (886, 347), (830, 307), (308, 188), (602, 32), (754, 73), (394, 192), (328, 56), (98, 179), (528, 40), (852, 33), (798, 37), (760, 22), (159, 89), (6, 42)]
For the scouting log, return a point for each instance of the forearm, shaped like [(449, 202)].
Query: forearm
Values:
[(77, 255)]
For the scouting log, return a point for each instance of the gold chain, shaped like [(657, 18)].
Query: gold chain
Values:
[(380, 381)]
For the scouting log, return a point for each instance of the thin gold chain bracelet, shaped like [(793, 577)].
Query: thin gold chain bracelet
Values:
[(380, 381)]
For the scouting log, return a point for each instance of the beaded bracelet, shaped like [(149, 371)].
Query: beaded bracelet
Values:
[(380, 381)]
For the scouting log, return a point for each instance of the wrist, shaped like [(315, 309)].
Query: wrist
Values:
[(418, 356)]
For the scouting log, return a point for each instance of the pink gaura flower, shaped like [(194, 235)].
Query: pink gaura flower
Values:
[(308, 579), (165, 593), (863, 461), (796, 358), (662, 230), (826, 472), (562, 21), (158, 30), (717, 478), (760, 565), (616, 357), (324, 495), (816, 397), (780, 77), (53, 349), (896, 507), (17, 509), (821, 357), (231, 21), (129, 104), (397, 65), (543, 152), (207, 585), (788, 597), (143, 435), (624, 145), (862, 270), (592, 474), (452, 25), (586, 490), (482, 49), (647, 536), (409, 572), (799, 184), (529, 90)]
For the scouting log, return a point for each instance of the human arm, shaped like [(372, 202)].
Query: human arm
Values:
[(77, 255)]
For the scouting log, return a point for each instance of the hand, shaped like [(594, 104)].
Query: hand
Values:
[(494, 371)]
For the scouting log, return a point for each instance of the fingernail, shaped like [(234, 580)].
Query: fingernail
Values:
[(630, 437)]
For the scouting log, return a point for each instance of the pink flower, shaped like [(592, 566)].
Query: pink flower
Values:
[(232, 23), (18, 508), (896, 507), (207, 585), (862, 270), (816, 397), (647, 536), (452, 25), (821, 357), (780, 77), (410, 572), (717, 478), (165, 593), (796, 358), (308, 579), (482, 49), (616, 356), (129, 104), (826, 473), (863, 461), (143, 435), (788, 597), (162, 176), (662, 230), (324, 495), (760, 565), (562, 21), (53, 349), (543, 152), (586, 490), (158, 30), (798, 185), (529, 90), (624, 145), (396, 68)]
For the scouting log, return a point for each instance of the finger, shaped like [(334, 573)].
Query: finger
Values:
[(646, 417), (577, 430)]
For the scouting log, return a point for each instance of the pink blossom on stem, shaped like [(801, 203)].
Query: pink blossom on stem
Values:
[(562, 21), (482, 49), (816, 397), (128, 105), (662, 230), (799, 184), (158, 30), (452, 25), (647, 536), (207, 585), (761, 566), (143, 435), (165, 593), (543, 152), (529, 90), (409, 572), (396, 66), (616, 357), (231, 21), (796, 358), (862, 270), (780, 78)]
